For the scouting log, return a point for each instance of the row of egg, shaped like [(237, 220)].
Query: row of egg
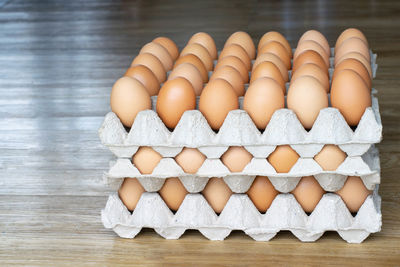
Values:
[(308, 193)]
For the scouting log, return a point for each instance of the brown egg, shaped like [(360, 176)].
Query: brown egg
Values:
[(357, 66), (130, 192), (153, 64), (349, 33), (244, 40), (277, 37), (236, 63), (309, 56), (274, 59), (146, 159), (262, 193), (306, 97), (237, 51), (146, 77), (268, 69), (190, 159), (236, 158), (277, 49), (216, 100), (207, 41), (330, 157), (283, 158), (190, 73), (308, 193), (353, 45), (173, 193), (350, 95), (160, 52), (201, 52), (314, 46), (217, 194), (354, 193), (359, 57), (194, 60), (169, 45), (128, 98), (232, 76), (263, 97), (317, 37), (313, 70)]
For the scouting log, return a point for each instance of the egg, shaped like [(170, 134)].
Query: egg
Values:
[(232, 76), (216, 100), (175, 97), (263, 97), (360, 58), (207, 41), (330, 157), (146, 159), (236, 158), (275, 36), (217, 194), (236, 63), (145, 77), (350, 95), (353, 44), (309, 56), (349, 33), (173, 193), (277, 49), (283, 158), (238, 51), (190, 160), (354, 193), (317, 37), (195, 61), (244, 40), (306, 97), (168, 44), (357, 66), (268, 69), (160, 52), (128, 98), (130, 192), (314, 46), (262, 193), (308, 193), (275, 60), (190, 73), (201, 52), (153, 64), (313, 70)]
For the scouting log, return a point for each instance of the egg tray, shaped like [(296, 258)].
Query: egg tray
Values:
[(285, 213)]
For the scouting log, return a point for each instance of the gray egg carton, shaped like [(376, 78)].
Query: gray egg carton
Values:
[(331, 214)]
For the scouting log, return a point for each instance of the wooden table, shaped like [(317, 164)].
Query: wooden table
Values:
[(58, 61)]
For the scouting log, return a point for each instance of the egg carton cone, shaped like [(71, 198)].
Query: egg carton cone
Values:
[(285, 213)]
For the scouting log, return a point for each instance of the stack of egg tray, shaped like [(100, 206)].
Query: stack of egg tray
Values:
[(285, 213)]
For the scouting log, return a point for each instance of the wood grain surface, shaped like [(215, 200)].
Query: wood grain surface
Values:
[(58, 61)]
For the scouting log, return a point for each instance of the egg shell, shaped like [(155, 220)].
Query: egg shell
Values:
[(353, 44), (309, 56), (207, 41), (128, 98), (216, 100), (217, 194), (244, 40), (173, 193), (194, 60), (277, 49), (153, 64), (169, 45), (283, 158), (175, 97), (146, 159), (190, 159), (314, 46), (201, 52), (277, 37), (238, 51), (190, 73), (146, 77), (268, 69), (317, 37), (308, 193), (236, 63), (359, 57), (160, 52), (274, 59), (313, 70), (330, 157), (236, 158), (130, 192), (262, 193), (349, 33), (350, 95), (353, 193), (232, 76), (357, 66)]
